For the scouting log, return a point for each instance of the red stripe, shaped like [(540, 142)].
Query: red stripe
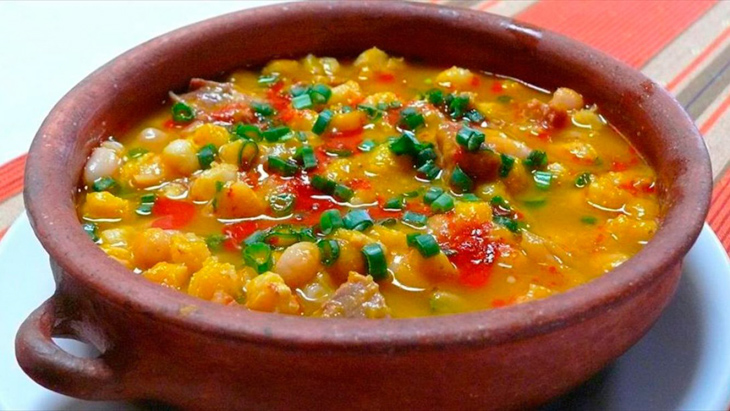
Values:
[(699, 59), (486, 5), (718, 217), (2, 233), (633, 31), (11, 178), (715, 116)]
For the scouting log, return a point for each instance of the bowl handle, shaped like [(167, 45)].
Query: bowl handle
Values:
[(52, 367)]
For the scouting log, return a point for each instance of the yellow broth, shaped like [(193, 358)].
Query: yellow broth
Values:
[(443, 190)]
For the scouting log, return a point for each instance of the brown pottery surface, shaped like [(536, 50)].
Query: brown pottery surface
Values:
[(164, 345)]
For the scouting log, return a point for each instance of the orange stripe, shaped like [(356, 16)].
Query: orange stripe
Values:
[(715, 116), (699, 59), (2, 233), (11, 177), (633, 31), (486, 5)]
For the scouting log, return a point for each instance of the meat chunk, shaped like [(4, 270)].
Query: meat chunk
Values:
[(214, 101), (359, 297)]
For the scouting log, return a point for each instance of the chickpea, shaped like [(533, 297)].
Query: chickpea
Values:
[(298, 264), (153, 139), (180, 156), (456, 77), (103, 162), (565, 99)]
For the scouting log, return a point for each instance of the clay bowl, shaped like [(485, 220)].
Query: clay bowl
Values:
[(163, 345)]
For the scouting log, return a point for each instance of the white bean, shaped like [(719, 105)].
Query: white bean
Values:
[(180, 155), (103, 162), (153, 139), (298, 264)]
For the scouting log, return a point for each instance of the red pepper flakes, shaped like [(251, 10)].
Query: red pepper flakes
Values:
[(384, 77), (497, 87)]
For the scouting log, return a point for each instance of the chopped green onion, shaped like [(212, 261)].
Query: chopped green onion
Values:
[(474, 116), (329, 251), (470, 198), (330, 221), (411, 119), (366, 145), (338, 152), (415, 220), (282, 204), (323, 184), (104, 184), (90, 229), (498, 201), (543, 179), (358, 220), (298, 90), (427, 245), (504, 99), (425, 155), (306, 156), (248, 131), (258, 256), (435, 97), (429, 170), (470, 138), (443, 203), (148, 198), (589, 220), (535, 202), (302, 102), (343, 192), (395, 203), (262, 108), (405, 144), (145, 208), (412, 194), (248, 154), (307, 234), (256, 237), (458, 105), (375, 258), (536, 159), (320, 93), (215, 241), (583, 180), (137, 152), (274, 134), (411, 238), (206, 155), (387, 221), (268, 80), (507, 164), (370, 110), (508, 223), (182, 113), (432, 194), (461, 181), (284, 167), (283, 238), (323, 120)]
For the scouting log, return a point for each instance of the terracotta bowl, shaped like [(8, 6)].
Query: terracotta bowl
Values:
[(163, 345)]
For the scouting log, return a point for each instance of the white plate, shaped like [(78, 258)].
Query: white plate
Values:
[(682, 363)]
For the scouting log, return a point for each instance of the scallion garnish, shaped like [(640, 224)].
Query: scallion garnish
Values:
[(429, 170), (104, 184), (543, 179), (458, 106), (474, 116), (588, 220), (504, 99), (268, 80), (262, 108), (329, 251), (206, 155), (443, 203), (507, 164), (274, 134), (508, 223), (329, 187), (395, 203), (323, 120), (256, 237), (343, 192), (284, 167), (461, 181), (583, 180), (137, 152), (90, 229), (258, 256), (305, 155), (435, 97), (330, 221), (302, 101), (358, 220), (411, 119), (536, 159), (375, 259), (247, 131), (366, 145), (248, 154), (282, 204), (470, 198), (432, 194), (282, 236), (405, 144), (426, 244), (146, 202), (320, 93), (470, 138), (415, 220), (215, 241), (182, 113)]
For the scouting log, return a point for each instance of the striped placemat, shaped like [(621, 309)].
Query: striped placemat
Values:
[(683, 45)]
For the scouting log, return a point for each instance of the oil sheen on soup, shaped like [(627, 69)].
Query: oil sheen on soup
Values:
[(368, 189)]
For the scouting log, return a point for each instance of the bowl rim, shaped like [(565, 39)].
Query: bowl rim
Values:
[(65, 241)]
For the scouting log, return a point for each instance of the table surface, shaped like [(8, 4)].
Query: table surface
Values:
[(682, 45)]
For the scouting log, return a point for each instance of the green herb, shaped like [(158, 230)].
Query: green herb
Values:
[(215, 241), (470, 138), (329, 187), (282, 204), (320, 93), (286, 168), (90, 229), (508, 223), (507, 164), (323, 120), (504, 99), (589, 220), (302, 102), (248, 132), (137, 152), (248, 154), (411, 119), (411, 238), (458, 106), (268, 80), (182, 113), (104, 184), (443, 203), (343, 192), (366, 145), (435, 97), (405, 144), (375, 259), (305, 155), (415, 220), (256, 237), (338, 152), (425, 155), (470, 198), (276, 133), (282, 236), (432, 194), (474, 116), (262, 108), (461, 181), (329, 251), (146, 202), (427, 245), (358, 220), (429, 170), (536, 159), (543, 179), (206, 155), (498, 201), (258, 256), (330, 221), (583, 180), (395, 203)]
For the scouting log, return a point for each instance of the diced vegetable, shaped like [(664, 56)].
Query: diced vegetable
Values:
[(375, 257)]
